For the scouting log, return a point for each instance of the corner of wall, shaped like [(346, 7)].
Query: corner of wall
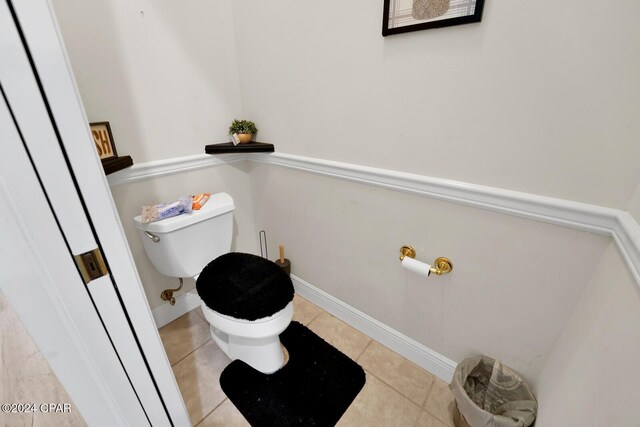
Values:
[(590, 375), (634, 205), (164, 75), (234, 24)]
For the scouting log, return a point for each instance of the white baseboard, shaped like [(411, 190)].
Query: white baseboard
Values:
[(167, 313), (419, 354)]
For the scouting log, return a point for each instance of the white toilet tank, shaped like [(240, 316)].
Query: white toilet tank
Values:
[(188, 242)]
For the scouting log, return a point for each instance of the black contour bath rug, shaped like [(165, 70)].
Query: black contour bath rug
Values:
[(314, 388)]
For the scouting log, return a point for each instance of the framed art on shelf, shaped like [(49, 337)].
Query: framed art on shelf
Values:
[(402, 16), (106, 148), (103, 138)]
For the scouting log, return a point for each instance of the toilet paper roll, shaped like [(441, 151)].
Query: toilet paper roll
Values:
[(417, 267)]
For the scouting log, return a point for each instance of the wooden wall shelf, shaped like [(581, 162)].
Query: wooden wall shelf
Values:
[(115, 164), (228, 147)]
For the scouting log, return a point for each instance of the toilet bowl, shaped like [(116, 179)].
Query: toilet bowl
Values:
[(182, 246), (248, 302), (255, 342)]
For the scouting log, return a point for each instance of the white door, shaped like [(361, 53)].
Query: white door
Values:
[(60, 208), (39, 278)]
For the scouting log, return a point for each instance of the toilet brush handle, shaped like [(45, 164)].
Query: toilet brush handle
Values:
[(281, 254)]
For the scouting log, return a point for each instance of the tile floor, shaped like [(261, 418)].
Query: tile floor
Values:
[(26, 377), (397, 392)]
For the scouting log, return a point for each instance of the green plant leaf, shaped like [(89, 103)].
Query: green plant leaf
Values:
[(242, 126)]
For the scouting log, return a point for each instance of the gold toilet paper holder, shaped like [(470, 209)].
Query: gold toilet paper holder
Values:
[(440, 266)]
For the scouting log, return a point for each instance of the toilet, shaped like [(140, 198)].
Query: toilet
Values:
[(247, 315)]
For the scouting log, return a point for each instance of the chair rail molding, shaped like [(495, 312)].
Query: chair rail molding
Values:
[(158, 168), (616, 223), (627, 236), (557, 211)]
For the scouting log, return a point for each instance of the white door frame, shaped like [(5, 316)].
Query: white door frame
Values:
[(41, 92)]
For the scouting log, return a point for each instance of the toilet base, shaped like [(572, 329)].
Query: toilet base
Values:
[(264, 355), (256, 342)]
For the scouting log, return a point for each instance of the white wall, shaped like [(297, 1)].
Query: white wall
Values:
[(129, 199), (163, 73), (514, 285), (634, 205), (540, 97), (591, 378), (534, 98)]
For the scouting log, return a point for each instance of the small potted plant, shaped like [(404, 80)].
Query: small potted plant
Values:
[(244, 129)]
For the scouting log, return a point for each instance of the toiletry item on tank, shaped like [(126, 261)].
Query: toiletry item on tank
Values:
[(166, 210), (199, 200)]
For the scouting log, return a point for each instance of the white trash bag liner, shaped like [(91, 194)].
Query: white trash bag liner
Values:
[(490, 394)]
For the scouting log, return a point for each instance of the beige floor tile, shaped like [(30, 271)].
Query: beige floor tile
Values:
[(25, 377), (184, 335), (440, 402), (198, 376), (380, 405), (225, 415), (406, 377), (428, 420), (303, 311), (340, 335)]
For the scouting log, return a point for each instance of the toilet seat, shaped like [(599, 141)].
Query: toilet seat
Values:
[(248, 301), (244, 286), (253, 329)]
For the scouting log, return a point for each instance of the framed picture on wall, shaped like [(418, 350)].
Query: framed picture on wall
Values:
[(402, 16), (106, 148), (103, 139)]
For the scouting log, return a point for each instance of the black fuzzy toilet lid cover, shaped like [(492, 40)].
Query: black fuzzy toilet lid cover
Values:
[(244, 286)]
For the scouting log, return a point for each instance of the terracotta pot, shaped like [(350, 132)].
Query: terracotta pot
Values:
[(245, 137)]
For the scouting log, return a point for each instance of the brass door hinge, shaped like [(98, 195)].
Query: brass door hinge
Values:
[(91, 265)]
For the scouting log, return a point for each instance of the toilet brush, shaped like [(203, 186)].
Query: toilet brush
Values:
[(283, 262)]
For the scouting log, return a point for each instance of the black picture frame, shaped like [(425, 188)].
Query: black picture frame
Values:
[(103, 140), (106, 148), (476, 16)]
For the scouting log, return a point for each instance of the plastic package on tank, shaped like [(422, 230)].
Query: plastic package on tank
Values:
[(166, 210)]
